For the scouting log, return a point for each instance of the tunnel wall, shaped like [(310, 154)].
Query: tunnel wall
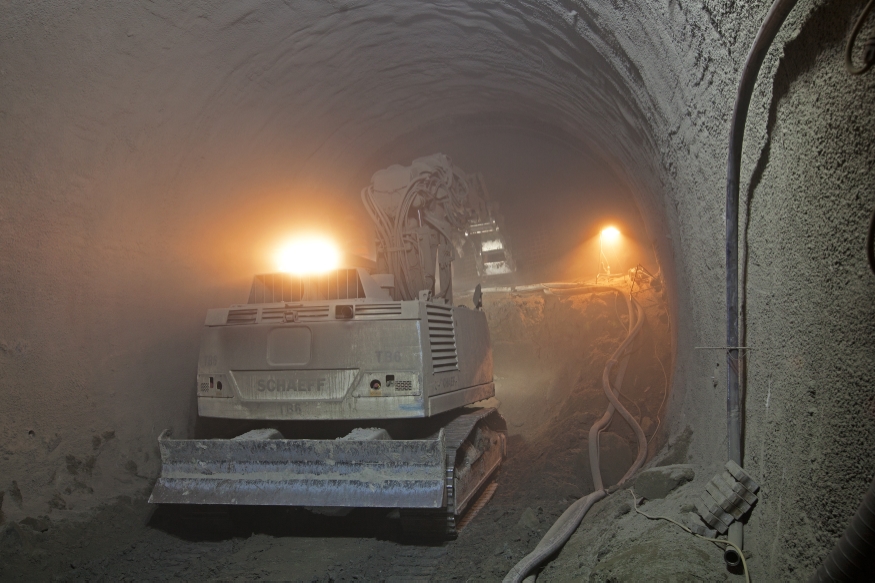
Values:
[(147, 149), (806, 290)]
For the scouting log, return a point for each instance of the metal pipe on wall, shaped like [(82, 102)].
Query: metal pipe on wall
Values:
[(769, 29)]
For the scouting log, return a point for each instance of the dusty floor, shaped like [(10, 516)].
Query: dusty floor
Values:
[(550, 397)]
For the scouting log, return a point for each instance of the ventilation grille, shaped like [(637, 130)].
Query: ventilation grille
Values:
[(339, 284), (274, 314), (299, 313), (393, 309), (442, 337), (294, 313), (245, 316), (310, 313), (403, 385)]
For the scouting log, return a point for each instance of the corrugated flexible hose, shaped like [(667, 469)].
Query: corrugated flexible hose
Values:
[(566, 524), (853, 558)]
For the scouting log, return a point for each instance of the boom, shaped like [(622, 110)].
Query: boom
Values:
[(421, 213)]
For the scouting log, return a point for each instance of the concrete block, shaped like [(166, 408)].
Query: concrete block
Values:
[(697, 527), (741, 476)]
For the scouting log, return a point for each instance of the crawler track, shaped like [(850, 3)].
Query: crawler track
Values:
[(476, 444)]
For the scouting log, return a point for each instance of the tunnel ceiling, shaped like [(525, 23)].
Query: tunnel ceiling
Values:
[(319, 88), (339, 81)]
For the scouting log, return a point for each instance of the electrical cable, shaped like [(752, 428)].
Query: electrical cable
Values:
[(713, 540), (869, 55)]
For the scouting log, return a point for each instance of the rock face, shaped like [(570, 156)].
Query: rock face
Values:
[(657, 483)]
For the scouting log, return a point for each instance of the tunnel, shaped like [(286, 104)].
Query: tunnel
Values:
[(154, 154)]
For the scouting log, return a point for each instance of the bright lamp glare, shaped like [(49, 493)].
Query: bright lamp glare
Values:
[(305, 256), (610, 235)]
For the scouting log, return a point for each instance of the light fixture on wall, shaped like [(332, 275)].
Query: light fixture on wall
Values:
[(609, 236)]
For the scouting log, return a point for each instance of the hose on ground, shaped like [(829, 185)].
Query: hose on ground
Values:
[(558, 534), (568, 522), (614, 404), (851, 558)]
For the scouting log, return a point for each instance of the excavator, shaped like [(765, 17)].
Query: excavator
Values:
[(372, 372)]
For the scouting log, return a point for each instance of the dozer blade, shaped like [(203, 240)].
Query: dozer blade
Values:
[(303, 472)]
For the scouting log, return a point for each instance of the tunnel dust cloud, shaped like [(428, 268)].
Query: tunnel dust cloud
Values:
[(550, 347), (592, 257)]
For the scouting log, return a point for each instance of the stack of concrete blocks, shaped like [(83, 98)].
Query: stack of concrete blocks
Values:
[(728, 497)]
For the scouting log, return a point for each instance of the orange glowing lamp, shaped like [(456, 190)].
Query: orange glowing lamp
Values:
[(610, 235), (308, 255)]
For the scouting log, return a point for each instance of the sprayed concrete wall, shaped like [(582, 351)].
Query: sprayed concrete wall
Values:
[(151, 154)]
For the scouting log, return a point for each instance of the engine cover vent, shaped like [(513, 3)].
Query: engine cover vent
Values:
[(244, 316), (273, 314), (393, 309), (442, 338), (308, 313), (291, 313)]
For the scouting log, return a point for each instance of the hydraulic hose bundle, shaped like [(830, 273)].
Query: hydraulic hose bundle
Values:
[(565, 526), (417, 223), (393, 234)]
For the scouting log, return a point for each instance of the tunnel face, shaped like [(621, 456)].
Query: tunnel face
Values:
[(154, 155)]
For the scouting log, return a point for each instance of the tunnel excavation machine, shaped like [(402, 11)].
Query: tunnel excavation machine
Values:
[(377, 359)]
